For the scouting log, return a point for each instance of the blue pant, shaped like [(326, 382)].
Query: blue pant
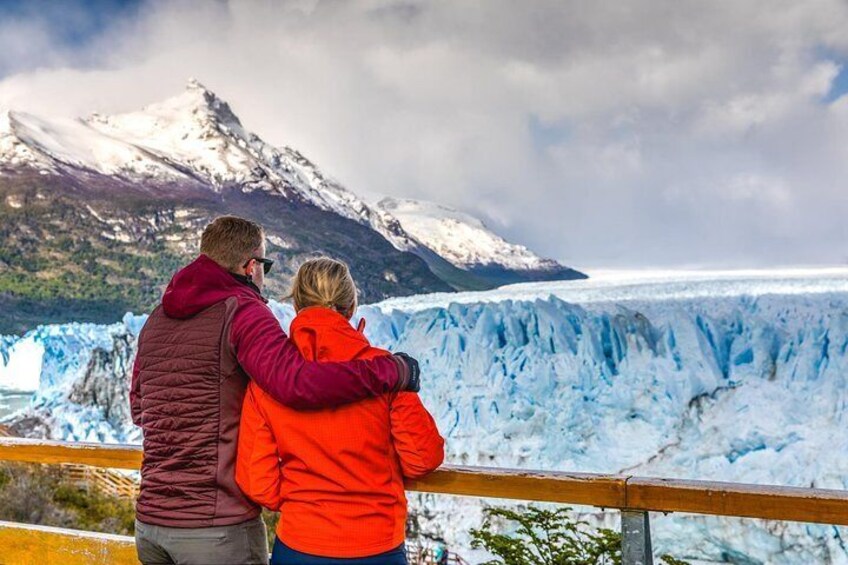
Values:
[(284, 555)]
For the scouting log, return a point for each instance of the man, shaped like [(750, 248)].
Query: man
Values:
[(196, 352)]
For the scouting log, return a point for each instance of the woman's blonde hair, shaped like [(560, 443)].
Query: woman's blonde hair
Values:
[(324, 282)]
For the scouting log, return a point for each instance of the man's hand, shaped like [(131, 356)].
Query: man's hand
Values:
[(410, 378)]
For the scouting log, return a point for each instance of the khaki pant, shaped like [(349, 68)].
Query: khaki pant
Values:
[(244, 543)]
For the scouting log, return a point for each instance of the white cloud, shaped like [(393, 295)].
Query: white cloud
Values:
[(678, 117)]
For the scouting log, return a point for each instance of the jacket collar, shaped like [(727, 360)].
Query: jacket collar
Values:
[(244, 279), (202, 284), (322, 334)]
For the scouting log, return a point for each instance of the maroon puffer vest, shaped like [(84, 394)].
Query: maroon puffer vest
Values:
[(191, 391)]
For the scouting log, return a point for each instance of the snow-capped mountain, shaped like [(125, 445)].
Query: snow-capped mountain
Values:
[(464, 240), (198, 135), (195, 138), (738, 378), (105, 209), (192, 137)]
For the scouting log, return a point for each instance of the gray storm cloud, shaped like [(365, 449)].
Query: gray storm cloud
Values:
[(599, 133)]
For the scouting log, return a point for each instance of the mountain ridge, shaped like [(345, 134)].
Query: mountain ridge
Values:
[(189, 155), (466, 242)]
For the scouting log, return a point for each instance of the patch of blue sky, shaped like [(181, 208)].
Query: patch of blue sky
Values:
[(70, 26), (839, 86)]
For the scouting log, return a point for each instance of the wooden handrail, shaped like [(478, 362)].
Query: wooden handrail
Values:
[(94, 454), (23, 543), (605, 491), (794, 504), (491, 482)]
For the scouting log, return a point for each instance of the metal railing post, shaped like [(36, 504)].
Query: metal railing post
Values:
[(636, 538)]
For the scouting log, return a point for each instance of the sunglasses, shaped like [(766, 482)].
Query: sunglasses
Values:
[(266, 263)]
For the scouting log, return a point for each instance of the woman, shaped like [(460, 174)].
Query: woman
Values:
[(335, 475)]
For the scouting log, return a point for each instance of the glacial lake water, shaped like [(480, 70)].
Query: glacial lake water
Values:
[(12, 401)]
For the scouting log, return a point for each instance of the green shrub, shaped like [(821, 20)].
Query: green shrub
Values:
[(96, 511), (271, 519), (548, 537), (39, 494)]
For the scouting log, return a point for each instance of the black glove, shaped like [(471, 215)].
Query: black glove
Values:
[(413, 373)]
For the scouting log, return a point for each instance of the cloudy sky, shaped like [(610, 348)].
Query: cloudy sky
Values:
[(604, 134)]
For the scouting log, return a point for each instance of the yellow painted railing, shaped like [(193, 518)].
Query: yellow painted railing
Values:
[(22, 544), (622, 492)]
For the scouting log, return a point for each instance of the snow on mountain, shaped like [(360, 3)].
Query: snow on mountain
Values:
[(195, 137), (30, 140), (739, 379), (194, 130), (13, 150), (460, 238), (329, 194)]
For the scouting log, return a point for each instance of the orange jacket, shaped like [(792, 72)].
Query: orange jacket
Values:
[(335, 475)]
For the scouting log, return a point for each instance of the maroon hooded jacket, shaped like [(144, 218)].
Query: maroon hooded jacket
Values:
[(196, 353)]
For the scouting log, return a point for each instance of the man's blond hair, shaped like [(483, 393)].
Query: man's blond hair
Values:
[(324, 282), (231, 241)]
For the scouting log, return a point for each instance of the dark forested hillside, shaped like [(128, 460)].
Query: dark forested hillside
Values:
[(90, 247)]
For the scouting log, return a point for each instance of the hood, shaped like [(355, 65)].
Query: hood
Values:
[(322, 334), (202, 284)]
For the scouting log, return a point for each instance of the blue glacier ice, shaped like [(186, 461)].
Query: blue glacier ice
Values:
[(737, 378)]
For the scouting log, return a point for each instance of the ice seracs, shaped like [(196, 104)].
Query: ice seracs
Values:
[(740, 380)]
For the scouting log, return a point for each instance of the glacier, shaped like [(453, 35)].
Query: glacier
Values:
[(734, 377)]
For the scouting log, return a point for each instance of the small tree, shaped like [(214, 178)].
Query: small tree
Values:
[(549, 537)]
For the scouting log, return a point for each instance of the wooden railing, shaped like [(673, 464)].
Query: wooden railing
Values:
[(107, 481), (634, 496)]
